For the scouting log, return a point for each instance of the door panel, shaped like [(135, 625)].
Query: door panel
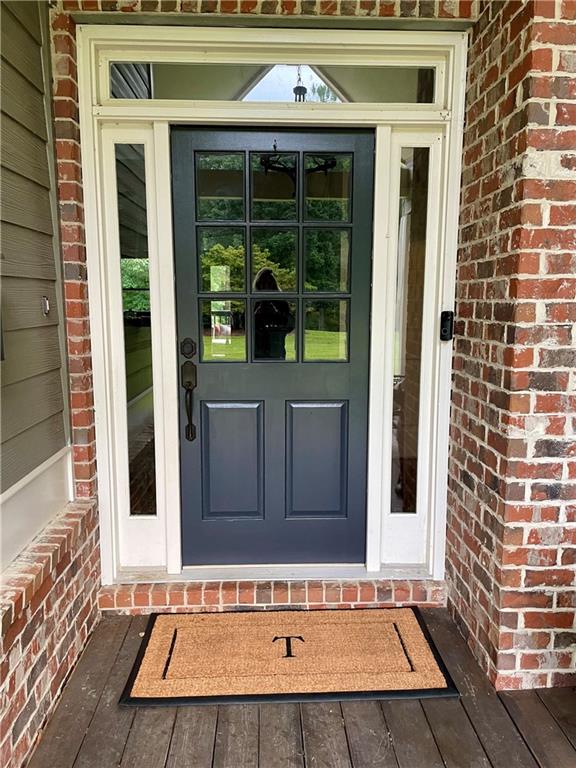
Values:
[(232, 439), (272, 234), (316, 459)]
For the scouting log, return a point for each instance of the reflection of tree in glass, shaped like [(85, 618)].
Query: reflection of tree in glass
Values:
[(326, 260), (328, 187), (323, 315), (220, 162), (222, 248), (220, 179), (135, 285), (322, 93), (233, 258), (274, 187), (274, 210), (277, 251)]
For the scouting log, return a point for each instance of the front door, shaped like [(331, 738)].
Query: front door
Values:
[(273, 241)]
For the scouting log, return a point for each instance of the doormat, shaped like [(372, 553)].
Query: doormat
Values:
[(286, 656)]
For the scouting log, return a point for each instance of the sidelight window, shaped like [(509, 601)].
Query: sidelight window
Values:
[(135, 276)]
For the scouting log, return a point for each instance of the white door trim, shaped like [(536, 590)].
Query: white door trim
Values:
[(152, 544)]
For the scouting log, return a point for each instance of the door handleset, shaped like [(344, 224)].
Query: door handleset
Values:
[(188, 381)]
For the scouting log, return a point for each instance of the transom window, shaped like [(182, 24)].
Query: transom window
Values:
[(328, 84)]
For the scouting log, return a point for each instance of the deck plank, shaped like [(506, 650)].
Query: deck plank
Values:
[(281, 736), (237, 736), (67, 728), (539, 729), (192, 744), (90, 730), (325, 744), (561, 703), (108, 733), (454, 734), (369, 740), (412, 738), (494, 727), (149, 738)]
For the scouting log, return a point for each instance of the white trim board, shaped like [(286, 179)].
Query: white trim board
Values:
[(152, 544), (312, 572), (31, 503)]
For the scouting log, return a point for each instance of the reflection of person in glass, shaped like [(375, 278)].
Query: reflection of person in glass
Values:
[(273, 320)]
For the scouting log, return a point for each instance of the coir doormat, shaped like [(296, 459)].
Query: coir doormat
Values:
[(286, 655)]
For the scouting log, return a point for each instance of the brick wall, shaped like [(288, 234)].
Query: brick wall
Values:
[(512, 498), (200, 596), (48, 609)]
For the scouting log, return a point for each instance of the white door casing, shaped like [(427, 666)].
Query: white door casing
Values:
[(149, 546)]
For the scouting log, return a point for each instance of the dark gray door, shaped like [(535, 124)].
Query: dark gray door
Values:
[(273, 237)]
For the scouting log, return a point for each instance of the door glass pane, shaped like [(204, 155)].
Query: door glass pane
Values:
[(274, 331), (274, 258), (325, 84), (408, 327), (223, 330), (327, 260), (134, 269), (274, 186), (326, 330), (220, 186), (327, 187), (222, 259)]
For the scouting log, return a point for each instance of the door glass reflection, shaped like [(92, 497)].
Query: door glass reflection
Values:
[(408, 327), (136, 310), (326, 330), (220, 186), (274, 186), (275, 250), (223, 330), (274, 327), (327, 187), (222, 259), (327, 258)]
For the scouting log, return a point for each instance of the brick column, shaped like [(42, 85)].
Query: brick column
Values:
[(511, 526), (70, 201)]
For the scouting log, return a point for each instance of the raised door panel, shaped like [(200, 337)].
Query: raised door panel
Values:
[(232, 435), (316, 459)]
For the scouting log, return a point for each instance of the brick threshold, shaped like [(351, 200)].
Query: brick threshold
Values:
[(205, 596)]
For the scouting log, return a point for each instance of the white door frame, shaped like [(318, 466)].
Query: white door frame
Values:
[(145, 547)]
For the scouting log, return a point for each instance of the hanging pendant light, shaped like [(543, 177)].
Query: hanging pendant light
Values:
[(300, 89)]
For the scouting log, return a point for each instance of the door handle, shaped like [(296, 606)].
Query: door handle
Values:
[(188, 381)]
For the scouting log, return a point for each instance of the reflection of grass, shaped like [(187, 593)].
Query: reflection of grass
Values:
[(233, 349), (325, 345), (320, 345)]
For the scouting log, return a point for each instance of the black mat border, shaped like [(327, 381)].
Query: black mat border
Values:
[(126, 700)]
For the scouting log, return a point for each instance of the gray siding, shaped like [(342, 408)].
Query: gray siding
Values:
[(34, 415)]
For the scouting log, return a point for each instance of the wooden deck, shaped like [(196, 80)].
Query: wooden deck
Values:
[(532, 729)]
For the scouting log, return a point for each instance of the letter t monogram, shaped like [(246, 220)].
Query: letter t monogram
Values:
[(288, 639)]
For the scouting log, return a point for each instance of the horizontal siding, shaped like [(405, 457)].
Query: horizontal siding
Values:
[(30, 352), (130, 81), (138, 346), (21, 101), (33, 398), (25, 203), (22, 303), (23, 152), (29, 449), (27, 15), (29, 402), (26, 253), (20, 48)]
